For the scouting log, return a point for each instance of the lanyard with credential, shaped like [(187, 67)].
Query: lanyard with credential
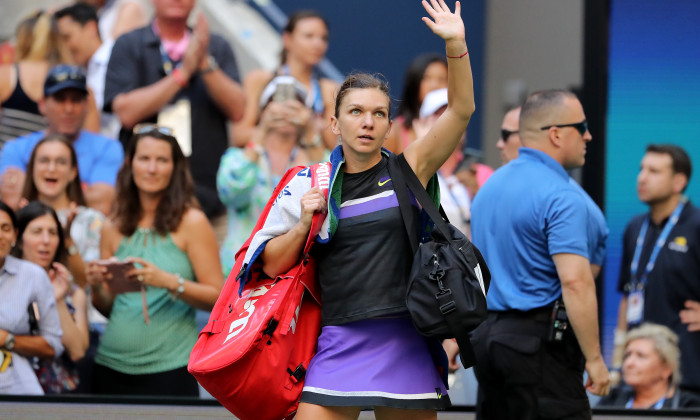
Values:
[(660, 242), (659, 404), (168, 64)]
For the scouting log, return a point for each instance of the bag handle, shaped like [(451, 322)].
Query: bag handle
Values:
[(320, 177)]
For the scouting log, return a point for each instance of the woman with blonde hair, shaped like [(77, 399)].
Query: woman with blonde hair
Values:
[(38, 47), (651, 372)]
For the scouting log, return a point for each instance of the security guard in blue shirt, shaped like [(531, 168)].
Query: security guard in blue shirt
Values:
[(530, 224)]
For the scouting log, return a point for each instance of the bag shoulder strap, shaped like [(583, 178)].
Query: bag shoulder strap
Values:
[(407, 215), (437, 216), (320, 177)]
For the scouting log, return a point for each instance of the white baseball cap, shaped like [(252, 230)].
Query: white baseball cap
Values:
[(432, 102)]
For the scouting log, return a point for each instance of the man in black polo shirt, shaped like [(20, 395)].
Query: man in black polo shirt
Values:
[(184, 78), (660, 270)]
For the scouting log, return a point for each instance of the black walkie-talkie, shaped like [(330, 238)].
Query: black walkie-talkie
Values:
[(558, 323), (33, 310)]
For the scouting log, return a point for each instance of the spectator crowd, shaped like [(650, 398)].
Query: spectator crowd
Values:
[(135, 161)]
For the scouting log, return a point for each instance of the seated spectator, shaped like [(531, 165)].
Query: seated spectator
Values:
[(79, 28), (157, 225), (37, 49), (305, 42), (651, 372), (425, 73), (23, 285), (65, 107), (40, 241), (55, 180), (247, 177)]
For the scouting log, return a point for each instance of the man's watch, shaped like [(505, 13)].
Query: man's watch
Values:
[(212, 65), (9, 341)]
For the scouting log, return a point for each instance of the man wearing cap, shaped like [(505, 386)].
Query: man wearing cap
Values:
[(65, 107), (186, 79)]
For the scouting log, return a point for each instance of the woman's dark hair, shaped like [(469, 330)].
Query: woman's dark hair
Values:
[(74, 189), (409, 107), (32, 211), (362, 81), (175, 200), (7, 209), (294, 18)]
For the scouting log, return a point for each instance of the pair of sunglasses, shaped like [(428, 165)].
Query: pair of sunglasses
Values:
[(582, 126), (507, 133), (154, 128)]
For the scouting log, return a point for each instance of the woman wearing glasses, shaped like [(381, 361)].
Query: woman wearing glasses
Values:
[(157, 225), (54, 180)]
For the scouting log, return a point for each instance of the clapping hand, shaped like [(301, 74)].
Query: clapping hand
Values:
[(445, 24), (194, 58)]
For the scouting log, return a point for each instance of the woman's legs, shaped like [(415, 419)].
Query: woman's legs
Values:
[(308, 411), (387, 413)]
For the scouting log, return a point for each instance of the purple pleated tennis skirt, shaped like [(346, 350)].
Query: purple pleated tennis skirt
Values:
[(374, 362)]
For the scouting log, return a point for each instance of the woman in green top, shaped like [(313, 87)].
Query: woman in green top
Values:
[(156, 224)]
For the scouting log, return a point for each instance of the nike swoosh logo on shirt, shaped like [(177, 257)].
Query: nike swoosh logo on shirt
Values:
[(381, 184)]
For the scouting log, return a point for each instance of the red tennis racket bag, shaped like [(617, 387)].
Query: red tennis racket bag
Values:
[(253, 354)]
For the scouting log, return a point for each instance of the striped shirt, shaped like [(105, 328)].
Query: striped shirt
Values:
[(16, 123), (22, 283)]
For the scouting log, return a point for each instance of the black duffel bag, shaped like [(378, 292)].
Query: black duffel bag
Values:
[(446, 293)]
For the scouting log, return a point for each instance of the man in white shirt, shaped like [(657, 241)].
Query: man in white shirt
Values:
[(78, 26)]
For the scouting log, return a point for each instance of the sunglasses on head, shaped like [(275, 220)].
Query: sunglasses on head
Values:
[(68, 74), (582, 126), (154, 128), (507, 133)]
